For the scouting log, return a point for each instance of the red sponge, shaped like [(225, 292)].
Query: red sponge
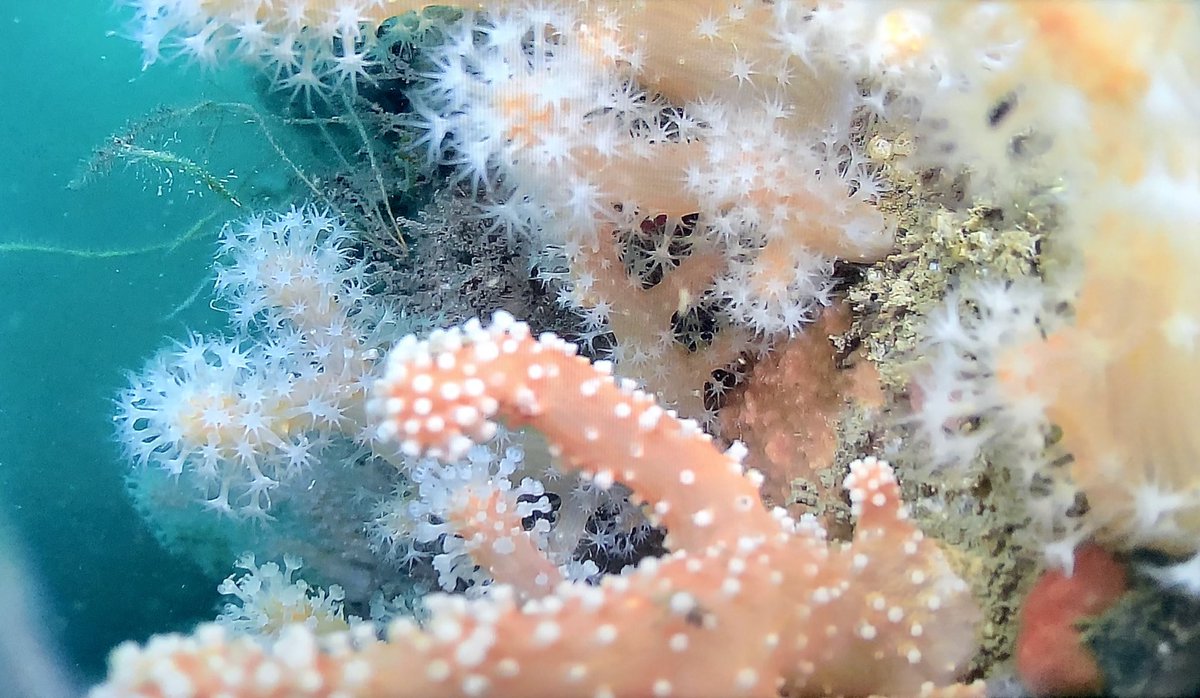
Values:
[(1050, 657)]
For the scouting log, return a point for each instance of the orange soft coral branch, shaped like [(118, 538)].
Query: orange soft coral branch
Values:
[(748, 603), (677, 63), (490, 524), (442, 395)]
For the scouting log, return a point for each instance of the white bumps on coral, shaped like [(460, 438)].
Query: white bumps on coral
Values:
[(442, 417)]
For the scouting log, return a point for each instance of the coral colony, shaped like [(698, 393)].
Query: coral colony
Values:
[(610, 416)]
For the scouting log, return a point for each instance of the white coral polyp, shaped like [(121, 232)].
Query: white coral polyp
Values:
[(240, 414)]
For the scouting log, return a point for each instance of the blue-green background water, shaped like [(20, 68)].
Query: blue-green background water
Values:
[(71, 325)]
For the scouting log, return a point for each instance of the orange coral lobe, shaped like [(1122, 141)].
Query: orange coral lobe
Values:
[(1083, 41)]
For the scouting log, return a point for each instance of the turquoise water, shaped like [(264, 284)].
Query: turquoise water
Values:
[(72, 324)]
